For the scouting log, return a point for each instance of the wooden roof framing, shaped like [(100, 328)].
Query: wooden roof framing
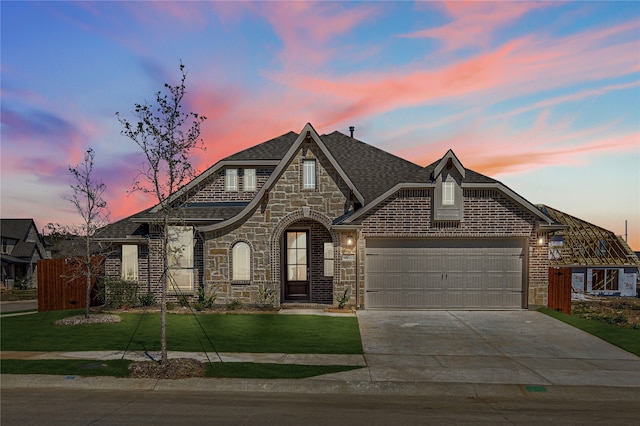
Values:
[(585, 244)]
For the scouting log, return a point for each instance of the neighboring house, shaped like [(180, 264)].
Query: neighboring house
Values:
[(21, 247), (600, 262), (313, 216)]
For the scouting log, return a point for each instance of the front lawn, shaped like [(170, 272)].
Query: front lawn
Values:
[(624, 338), (259, 333)]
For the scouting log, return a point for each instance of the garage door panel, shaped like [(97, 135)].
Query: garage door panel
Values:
[(464, 274)]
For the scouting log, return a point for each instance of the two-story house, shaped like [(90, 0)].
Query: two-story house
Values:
[(20, 249), (312, 216)]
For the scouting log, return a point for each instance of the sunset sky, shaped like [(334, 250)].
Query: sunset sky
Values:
[(543, 96)]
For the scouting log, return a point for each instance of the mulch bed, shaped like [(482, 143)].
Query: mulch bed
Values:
[(175, 368)]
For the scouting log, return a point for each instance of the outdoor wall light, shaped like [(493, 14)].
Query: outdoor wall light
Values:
[(541, 239), (350, 240)]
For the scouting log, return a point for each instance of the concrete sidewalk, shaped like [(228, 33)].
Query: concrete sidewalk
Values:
[(273, 358)]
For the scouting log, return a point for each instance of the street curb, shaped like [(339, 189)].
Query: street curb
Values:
[(315, 386)]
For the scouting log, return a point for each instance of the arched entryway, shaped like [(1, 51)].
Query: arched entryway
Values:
[(304, 259)]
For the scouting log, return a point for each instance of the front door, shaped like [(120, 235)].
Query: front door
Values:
[(296, 283)]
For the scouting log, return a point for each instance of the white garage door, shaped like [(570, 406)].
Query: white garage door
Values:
[(444, 274)]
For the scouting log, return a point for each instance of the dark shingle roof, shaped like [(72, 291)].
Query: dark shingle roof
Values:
[(273, 149), (23, 249), (372, 170), (123, 227), (16, 229)]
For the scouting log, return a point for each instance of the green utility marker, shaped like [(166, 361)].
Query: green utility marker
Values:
[(535, 388)]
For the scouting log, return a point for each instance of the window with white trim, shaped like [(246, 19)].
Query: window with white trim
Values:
[(308, 174), (241, 261), (129, 264), (231, 180), (249, 180), (180, 255), (328, 259), (448, 193)]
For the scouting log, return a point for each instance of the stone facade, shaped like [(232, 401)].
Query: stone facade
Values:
[(288, 206)]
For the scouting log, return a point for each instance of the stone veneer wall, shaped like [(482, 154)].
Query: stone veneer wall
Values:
[(288, 205), (488, 213)]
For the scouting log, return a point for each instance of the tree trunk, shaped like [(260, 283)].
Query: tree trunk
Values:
[(88, 265), (165, 282)]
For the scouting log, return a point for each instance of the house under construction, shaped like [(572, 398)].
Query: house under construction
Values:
[(601, 262)]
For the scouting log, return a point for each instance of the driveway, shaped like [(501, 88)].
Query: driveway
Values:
[(503, 347)]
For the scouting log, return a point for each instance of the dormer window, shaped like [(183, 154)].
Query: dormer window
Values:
[(249, 180), (448, 193), (231, 180), (447, 202)]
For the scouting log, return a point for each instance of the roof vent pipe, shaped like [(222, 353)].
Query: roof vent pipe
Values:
[(351, 129)]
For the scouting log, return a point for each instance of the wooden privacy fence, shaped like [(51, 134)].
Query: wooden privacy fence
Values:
[(560, 290), (62, 286)]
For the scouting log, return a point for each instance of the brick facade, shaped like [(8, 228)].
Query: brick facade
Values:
[(487, 213)]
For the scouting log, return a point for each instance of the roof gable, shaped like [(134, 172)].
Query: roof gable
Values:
[(448, 162), (17, 229), (307, 133)]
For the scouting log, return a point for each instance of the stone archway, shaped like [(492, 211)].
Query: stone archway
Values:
[(316, 230)]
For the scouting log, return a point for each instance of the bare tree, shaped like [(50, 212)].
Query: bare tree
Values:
[(89, 202), (166, 135)]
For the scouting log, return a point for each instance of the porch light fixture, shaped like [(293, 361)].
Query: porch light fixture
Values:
[(350, 240), (540, 239)]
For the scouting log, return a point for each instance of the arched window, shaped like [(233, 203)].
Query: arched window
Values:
[(241, 260)]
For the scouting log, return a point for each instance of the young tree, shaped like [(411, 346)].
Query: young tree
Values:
[(89, 202), (166, 135)]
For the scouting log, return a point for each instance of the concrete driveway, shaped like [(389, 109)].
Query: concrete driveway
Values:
[(504, 347)]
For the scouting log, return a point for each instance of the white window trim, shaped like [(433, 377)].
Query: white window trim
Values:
[(241, 262), (231, 180), (329, 259), (129, 264), (181, 259), (249, 180), (308, 174), (448, 193)]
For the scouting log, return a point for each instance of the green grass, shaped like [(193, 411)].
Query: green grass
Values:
[(119, 368), (261, 333), (624, 338), (63, 367), (250, 370)]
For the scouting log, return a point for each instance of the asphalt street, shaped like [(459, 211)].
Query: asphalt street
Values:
[(93, 407)]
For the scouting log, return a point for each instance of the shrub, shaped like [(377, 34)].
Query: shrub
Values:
[(234, 304), (266, 296), (147, 299), (116, 292), (343, 298), (183, 300), (206, 300), (22, 283)]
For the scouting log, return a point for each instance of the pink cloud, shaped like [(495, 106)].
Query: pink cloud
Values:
[(518, 67), (474, 22), (305, 29)]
